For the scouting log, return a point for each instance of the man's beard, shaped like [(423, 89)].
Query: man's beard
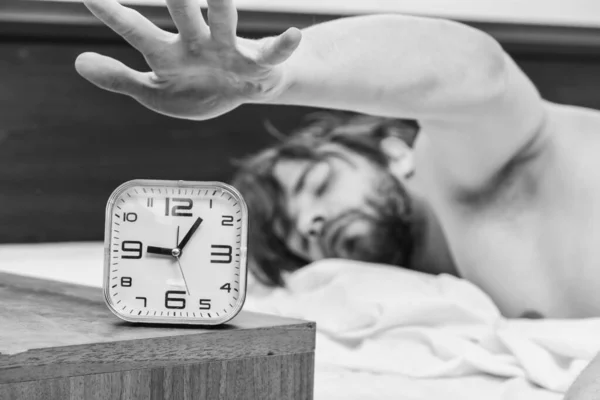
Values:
[(379, 232)]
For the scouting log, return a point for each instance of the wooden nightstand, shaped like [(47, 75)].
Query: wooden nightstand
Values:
[(59, 341)]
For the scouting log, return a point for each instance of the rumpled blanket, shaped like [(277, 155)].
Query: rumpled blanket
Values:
[(384, 319)]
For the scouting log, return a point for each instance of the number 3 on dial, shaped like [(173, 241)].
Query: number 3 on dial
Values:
[(175, 252)]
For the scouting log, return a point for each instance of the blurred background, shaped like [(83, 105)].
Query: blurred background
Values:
[(66, 145)]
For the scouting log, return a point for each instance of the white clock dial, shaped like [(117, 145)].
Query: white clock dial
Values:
[(175, 252)]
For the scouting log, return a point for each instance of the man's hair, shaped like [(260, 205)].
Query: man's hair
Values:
[(362, 134)]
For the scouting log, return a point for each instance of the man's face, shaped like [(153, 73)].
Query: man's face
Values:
[(342, 206)]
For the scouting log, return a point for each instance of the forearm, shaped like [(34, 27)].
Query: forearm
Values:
[(394, 65)]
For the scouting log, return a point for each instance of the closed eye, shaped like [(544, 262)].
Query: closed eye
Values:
[(324, 186), (322, 178)]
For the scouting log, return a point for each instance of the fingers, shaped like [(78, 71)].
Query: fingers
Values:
[(280, 48), (222, 19), (131, 25), (188, 18), (110, 74)]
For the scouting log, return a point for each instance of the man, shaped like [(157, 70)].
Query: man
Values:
[(514, 195), (506, 191)]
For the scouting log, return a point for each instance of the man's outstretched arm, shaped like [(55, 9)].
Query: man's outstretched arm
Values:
[(476, 108), (395, 66)]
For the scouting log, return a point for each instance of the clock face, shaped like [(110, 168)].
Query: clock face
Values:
[(175, 252)]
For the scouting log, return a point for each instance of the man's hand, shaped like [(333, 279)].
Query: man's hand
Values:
[(200, 73)]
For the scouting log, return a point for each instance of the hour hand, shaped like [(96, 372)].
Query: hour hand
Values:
[(160, 250)]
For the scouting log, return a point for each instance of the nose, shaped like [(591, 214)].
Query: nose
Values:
[(311, 224)]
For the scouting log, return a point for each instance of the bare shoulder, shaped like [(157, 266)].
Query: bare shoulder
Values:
[(572, 119), (568, 138)]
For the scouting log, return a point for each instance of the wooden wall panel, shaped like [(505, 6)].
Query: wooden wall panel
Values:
[(567, 79), (65, 145)]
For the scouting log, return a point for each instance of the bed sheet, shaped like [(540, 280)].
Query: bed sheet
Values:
[(335, 377), (338, 383)]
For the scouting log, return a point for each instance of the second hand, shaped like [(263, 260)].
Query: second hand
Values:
[(177, 253), (183, 275)]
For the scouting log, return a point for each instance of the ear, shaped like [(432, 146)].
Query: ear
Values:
[(400, 156)]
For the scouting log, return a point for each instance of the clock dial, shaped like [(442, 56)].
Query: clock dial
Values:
[(175, 252)]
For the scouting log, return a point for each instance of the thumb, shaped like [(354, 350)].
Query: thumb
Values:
[(112, 75), (280, 48)]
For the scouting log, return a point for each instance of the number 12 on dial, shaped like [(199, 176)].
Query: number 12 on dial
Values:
[(175, 252)]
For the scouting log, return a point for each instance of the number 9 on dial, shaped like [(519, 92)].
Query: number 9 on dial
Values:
[(175, 252)]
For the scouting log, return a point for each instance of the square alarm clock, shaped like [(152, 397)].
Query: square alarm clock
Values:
[(175, 252)]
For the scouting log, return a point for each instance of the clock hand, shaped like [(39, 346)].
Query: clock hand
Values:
[(164, 251), (160, 250), (188, 235), (176, 252), (183, 275)]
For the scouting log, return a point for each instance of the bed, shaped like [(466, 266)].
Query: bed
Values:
[(64, 146), (386, 333)]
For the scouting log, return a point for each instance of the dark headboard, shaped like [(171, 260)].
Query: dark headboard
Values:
[(65, 145)]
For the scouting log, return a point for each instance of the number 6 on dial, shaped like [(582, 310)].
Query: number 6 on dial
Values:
[(181, 247)]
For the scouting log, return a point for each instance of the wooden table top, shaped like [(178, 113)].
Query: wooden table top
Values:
[(53, 329)]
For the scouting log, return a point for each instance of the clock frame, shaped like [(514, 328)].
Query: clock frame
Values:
[(166, 204)]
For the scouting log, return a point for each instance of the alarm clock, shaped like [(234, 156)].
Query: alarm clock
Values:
[(175, 252)]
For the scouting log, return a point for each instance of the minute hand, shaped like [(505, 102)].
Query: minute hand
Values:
[(188, 235)]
